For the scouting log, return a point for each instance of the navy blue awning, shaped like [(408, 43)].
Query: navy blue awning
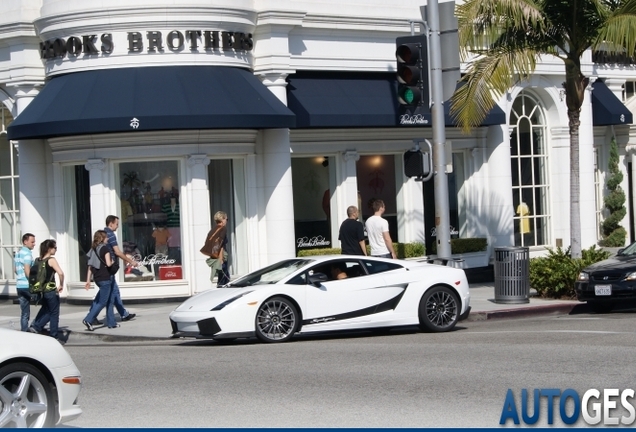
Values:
[(353, 99), (150, 99), (607, 109)]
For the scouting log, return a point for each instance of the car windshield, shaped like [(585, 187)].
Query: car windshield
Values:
[(271, 274), (629, 250)]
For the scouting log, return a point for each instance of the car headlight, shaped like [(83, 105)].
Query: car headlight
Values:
[(228, 301), (583, 277), (631, 276)]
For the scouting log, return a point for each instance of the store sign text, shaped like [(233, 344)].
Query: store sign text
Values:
[(158, 259), (152, 42), (306, 242), (453, 231)]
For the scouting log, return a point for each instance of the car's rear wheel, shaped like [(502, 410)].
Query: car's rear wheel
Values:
[(276, 320), (26, 397), (439, 309), (600, 307)]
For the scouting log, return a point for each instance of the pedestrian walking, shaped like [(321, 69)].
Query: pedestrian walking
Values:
[(215, 248), (23, 261), (99, 265), (50, 311), (378, 233), (112, 223), (351, 234)]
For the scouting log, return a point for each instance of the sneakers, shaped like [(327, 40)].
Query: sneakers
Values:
[(88, 325), (115, 326), (97, 322), (32, 330), (129, 317)]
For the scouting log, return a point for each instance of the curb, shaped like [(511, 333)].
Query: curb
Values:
[(523, 312), (72, 337)]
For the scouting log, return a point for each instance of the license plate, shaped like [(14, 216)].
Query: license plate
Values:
[(603, 290)]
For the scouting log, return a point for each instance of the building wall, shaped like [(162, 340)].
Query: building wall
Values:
[(301, 35)]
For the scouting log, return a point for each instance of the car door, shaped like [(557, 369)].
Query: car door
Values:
[(357, 296)]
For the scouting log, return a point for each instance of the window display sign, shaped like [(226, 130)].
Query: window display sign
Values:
[(151, 219)]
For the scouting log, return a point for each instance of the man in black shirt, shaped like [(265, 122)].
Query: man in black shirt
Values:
[(352, 234)]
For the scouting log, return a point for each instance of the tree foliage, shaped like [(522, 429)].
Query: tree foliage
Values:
[(502, 41), (614, 234)]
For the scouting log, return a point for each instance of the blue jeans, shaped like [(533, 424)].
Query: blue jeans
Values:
[(119, 305), (24, 297), (104, 299), (50, 312)]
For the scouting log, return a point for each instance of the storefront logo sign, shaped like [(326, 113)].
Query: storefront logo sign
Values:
[(408, 119), (453, 231), (134, 123), (305, 242), (153, 41), (158, 259)]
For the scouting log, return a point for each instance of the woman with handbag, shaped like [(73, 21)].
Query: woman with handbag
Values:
[(100, 267), (215, 249)]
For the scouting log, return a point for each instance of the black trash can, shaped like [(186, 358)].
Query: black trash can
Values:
[(512, 275)]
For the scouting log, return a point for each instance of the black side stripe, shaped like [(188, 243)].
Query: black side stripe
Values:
[(381, 307)]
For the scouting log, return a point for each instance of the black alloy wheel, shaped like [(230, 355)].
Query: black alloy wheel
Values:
[(276, 320), (439, 309)]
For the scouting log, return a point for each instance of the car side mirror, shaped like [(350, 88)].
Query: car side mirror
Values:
[(317, 279), (620, 251)]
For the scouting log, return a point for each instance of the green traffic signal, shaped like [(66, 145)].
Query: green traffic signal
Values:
[(412, 75)]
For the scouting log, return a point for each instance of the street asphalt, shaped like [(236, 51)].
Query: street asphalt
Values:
[(151, 322)]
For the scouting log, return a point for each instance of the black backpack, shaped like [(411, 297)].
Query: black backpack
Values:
[(37, 277)]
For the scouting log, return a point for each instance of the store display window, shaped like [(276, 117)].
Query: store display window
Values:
[(150, 220)]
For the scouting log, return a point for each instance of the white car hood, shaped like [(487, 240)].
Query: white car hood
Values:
[(209, 299)]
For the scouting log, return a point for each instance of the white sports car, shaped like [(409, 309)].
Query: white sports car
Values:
[(39, 382), (317, 294)]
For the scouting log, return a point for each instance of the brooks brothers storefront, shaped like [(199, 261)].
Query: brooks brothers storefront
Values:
[(163, 124)]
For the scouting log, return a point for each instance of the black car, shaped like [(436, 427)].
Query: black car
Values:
[(610, 281)]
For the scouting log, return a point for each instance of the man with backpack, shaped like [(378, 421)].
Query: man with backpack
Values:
[(23, 261)]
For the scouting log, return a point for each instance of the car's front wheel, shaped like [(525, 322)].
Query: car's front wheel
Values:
[(439, 309), (26, 397), (276, 320)]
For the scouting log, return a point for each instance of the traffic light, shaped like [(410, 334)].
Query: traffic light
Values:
[(417, 164), (412, 73)]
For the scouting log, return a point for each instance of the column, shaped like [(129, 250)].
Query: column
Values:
[(497, 203), (350, 179), (277, 84), (98, 178), (586, 174), (277, 191), (34, 189), (199, 222), (32, 165)]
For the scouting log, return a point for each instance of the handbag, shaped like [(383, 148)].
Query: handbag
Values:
[(113, 269), (213, 245)]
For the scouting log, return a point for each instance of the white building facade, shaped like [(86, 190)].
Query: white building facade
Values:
[(281, 114)]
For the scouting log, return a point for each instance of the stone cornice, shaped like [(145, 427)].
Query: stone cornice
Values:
[(356, 23), (123, 19), (154, 139)]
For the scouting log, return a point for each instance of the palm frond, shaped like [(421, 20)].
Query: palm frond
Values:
[(618, 34), (488, 78), (481, 22)]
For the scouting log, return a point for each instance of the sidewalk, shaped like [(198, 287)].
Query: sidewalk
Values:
[(152, 323)]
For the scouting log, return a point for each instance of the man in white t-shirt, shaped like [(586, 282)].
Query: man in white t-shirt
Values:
[(378, 233)]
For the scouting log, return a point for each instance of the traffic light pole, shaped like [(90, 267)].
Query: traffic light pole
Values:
[(442, 212)]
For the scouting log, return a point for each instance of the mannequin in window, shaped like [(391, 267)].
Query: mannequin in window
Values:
[(171, 209), (524, 223)]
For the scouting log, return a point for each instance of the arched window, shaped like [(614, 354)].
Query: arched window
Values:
[(529, 166), (9, 199)]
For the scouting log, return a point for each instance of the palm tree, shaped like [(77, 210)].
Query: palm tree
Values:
[(506, 38)]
